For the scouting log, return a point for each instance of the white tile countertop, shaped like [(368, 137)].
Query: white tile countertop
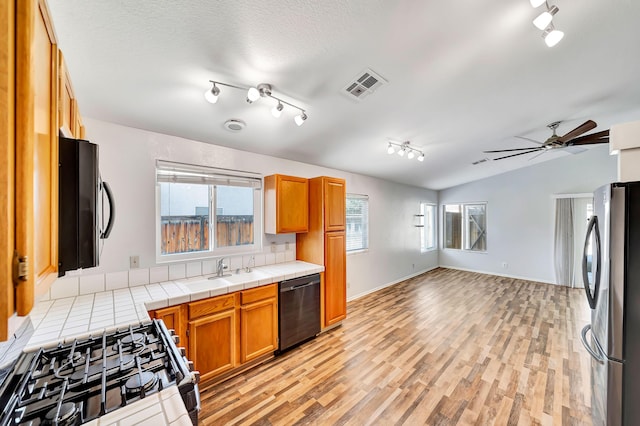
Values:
[(79, 316)]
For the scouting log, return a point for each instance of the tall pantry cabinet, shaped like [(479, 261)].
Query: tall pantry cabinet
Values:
[(325, 244)]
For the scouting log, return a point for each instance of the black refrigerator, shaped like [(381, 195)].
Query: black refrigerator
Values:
[(611, 271)]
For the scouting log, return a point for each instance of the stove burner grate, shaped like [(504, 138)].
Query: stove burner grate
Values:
[(144, 380), (67, 414)]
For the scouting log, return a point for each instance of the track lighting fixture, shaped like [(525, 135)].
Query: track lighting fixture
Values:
[(544, 19), (544, 22), (552, 36), (212, 94), (262, 90), (405, 148), (277, 110)]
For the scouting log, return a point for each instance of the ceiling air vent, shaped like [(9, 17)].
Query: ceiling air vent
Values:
[(363, 85)]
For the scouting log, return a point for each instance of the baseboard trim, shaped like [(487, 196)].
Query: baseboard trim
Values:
[(517, 277)]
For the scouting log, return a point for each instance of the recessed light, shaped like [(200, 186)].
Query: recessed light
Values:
[(234, 125)]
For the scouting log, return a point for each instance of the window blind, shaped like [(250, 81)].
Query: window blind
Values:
[(357, 222), (171, 172)]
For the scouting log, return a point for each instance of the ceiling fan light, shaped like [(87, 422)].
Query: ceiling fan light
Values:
[(253, 95), (421, 157), (212, 94), (277, 110), (537, 3), (300, 119), (390, 149), (553, 37), (410, 155)]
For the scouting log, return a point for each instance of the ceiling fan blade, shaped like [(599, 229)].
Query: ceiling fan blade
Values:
[(584, 127), (542, 151), (514, 149), (593, 138), (520, 153), (530, 140)]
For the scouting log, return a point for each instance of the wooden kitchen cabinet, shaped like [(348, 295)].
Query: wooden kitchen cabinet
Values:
[(212, 333), (335, 294), (286, 204), (258, 322), (174, 317), (325, 244), (335, 198)]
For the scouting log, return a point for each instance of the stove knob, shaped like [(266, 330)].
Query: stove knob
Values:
[(172, 332), (196, 377), (176, 339), (183, 351), (190, 365)]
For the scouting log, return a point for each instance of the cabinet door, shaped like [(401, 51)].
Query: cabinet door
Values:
[(258, 329), (286, 204), (174, 317), (335, 273), (66, 102), (36, 150), (334, 204), (212, 343)]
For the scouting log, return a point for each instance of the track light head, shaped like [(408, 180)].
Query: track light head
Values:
[(537, 3), (277, 110), (421, 157), (253, 95), (410, 155), (544, 19), (552, 36), (300, 119), (401, 152), (212, 94), (390, 149)]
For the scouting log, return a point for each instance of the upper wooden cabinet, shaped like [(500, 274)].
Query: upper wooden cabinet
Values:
[(286, 204), (334, 204)]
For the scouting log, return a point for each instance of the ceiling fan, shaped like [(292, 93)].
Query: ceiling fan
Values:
[(570, 139)]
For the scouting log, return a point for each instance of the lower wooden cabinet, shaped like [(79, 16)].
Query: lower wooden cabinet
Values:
[(224, 332), (212, 343), (258, 322), (335, 290), (174, 317)]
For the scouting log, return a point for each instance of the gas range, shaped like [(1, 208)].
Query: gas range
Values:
[(82, 380)]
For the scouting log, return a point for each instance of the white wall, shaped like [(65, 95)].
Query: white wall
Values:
[(127, 163), (520, 212)]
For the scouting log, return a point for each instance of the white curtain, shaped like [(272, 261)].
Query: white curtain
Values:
[(580, 221), (563, 242)]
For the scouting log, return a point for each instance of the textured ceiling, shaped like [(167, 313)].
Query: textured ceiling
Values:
[(463, 76)]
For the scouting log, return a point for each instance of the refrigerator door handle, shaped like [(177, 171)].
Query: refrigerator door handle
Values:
[(597, 356), (595, 261)]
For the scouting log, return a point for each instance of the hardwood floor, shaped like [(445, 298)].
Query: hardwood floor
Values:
[(447, 347)]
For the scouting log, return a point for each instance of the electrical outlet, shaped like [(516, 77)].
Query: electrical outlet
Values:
[(287, 246), (274, 248), (348, 284), (505, 265), (134, 262)]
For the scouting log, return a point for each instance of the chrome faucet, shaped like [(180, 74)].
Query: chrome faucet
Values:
[(251, 259), (220, 267)]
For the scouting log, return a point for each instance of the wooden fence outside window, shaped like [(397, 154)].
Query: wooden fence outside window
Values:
[(183, 234)]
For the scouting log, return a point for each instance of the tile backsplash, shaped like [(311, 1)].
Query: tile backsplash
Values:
[(87, 283)]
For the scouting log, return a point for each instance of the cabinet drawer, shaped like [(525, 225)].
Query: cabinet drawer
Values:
[(259, 293), (210, 306)]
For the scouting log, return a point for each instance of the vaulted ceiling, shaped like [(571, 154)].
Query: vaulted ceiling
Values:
[(461, 76)]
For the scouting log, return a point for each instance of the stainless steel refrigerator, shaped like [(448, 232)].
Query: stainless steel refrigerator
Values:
[(611, 271)]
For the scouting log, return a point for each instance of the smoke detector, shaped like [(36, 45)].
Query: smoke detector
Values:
[(234, 125)]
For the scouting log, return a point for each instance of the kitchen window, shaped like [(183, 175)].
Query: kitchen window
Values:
[(357, 222), (465, 226), (204, 212), (427, 225)]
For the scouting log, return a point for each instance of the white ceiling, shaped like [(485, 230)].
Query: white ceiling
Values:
[(463, 76)]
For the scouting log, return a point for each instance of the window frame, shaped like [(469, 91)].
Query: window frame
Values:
[(464, 226), (211, 177), (366, 223), (423, 226)]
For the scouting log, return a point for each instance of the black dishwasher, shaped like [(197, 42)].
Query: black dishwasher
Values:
[(298, 310)]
